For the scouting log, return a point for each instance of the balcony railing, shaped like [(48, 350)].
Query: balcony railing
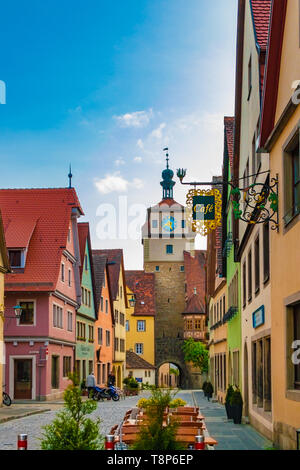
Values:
[(231, 312)]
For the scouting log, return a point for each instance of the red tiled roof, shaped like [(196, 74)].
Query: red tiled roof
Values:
[(195, 274), (99, 262), (115, 263), (18, 231), (51, 209), (134, 361), (83, 233), (143, 286), (261, 11), (169, 202), (229, 135), (194, 305)]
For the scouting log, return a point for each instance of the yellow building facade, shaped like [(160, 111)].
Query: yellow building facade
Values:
[(119, 306), (280, 136), (139, 331)]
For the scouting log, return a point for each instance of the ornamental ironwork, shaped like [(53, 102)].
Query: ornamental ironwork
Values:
[(253, 204)]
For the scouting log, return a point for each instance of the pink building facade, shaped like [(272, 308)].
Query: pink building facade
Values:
[(45, 281)]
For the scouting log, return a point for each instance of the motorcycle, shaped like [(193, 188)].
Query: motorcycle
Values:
[(108, 393)]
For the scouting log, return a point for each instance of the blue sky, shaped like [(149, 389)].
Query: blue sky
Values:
[(105, 86)]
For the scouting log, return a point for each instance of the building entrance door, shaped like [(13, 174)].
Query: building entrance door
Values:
[(55, 372), (23, 379)]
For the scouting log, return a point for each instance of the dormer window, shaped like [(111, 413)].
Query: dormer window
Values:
[(16, 258)]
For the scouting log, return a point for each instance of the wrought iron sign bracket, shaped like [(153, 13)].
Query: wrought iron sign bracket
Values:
[(254, 204)]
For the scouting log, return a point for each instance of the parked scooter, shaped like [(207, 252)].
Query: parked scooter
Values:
[(108, 393)]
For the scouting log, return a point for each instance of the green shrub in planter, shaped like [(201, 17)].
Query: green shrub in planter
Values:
[(236, 402), (228, 408), (209, 390)]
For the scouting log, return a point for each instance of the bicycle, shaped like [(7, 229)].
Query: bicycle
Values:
[(6, 400)]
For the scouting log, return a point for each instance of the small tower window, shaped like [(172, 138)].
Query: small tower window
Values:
[(182, 269), (154, 223), (183, 224), (157, 268), (169, 249)]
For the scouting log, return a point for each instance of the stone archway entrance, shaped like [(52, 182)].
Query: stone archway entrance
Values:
[(169, 350)]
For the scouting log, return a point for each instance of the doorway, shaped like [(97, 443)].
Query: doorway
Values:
[(55, 372), (23, 379)]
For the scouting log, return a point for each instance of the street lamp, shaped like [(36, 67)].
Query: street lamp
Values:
[(17, 310), (132, 301)]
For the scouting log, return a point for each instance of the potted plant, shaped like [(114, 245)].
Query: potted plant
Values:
[(209, 390), (228, 408), (236, 402)]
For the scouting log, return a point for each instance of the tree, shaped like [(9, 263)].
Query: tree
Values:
[(196, 353), (71, 429)]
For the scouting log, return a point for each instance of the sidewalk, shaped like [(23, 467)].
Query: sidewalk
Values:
[(26, 408), (230, 436)]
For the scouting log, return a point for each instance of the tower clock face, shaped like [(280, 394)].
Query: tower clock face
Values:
[(169, 224)]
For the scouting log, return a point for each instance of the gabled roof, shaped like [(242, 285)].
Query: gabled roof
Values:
[(194, 305), (100, 268), (51, 208), (5, 261), (143, 286), (99, 262), (134, 361), (271, 80), (115, 262), (84, 238), (229, 135), (18, 231), (261, 10)]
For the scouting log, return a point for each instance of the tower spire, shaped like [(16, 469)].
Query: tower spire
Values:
[(167, 176), (70, 177)]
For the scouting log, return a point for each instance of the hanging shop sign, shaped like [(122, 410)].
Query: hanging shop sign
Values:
[(258, 317), (204, 210)]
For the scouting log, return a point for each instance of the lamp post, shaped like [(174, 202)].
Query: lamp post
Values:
[(132, 301), (17, 310)]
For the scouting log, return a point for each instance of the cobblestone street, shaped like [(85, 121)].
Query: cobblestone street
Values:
[(228, 435), (110, 413)]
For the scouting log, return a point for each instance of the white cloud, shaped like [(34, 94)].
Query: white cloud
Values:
[(158, 132), (137, 183), (137, 159), (120, 161), (111, 183), (135, 119), (140, 144), (116, 183)]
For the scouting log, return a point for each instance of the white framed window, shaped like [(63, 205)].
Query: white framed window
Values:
[(16, 258), (127, 326), (139, 348), (106, 306), (70, 321), (57, 316), (101, 304), (69, 235), (62, 272), (141, 325), (69, 277), (28, 315), (100, 335)]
